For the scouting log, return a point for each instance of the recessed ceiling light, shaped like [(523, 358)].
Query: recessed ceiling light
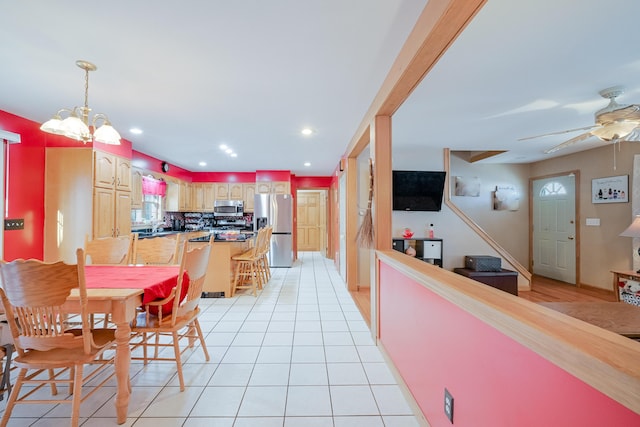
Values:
[(135, 131), (233, 155), (223, 147), (203, 163), (307, 164), (228, 151), (306, 131)]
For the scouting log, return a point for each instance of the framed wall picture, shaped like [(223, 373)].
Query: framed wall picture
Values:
[(611, 189)]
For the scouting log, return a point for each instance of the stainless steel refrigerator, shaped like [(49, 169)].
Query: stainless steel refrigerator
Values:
[(276, 210)]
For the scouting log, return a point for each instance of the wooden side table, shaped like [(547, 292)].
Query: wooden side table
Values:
[(622, 274)]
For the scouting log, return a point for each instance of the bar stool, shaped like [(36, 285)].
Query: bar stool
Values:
[(247, 274)]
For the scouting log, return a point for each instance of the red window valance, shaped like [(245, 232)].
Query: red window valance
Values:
[(153, 186)]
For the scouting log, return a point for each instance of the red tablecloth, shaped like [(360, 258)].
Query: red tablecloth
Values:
[(156, 281)]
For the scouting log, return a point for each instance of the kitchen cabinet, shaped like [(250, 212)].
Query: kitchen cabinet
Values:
[(111, 213), (235, 191), (87, 192), (185, 197), (111, 195), (197, 197), (222, 190), (275, 187), (136, 189), (203, 196), (248, 196), (178, 198), (209, 196), (111, 171)]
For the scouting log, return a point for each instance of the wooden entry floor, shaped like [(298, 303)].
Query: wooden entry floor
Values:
[(543, 289)]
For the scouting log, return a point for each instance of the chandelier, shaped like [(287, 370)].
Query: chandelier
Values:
[(76, 125)]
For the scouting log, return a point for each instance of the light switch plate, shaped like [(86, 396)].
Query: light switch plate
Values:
[(595, 222), (14, 224)]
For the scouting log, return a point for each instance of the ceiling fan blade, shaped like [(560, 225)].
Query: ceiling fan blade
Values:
[(557, 133), (634, 136), (569, 142)]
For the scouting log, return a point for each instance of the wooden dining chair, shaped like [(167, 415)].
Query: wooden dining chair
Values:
[(48, 352), (175, 317), (156, 251), (108, 250)]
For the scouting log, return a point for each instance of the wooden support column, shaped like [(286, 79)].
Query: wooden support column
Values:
[(352, 223), (380, 152)]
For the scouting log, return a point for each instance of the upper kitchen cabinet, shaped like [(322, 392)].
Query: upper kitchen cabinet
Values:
[(111, 171), (178, 197), (248, 195), (236, 191), (136, 189), (222, 190), (276, 187), (202, 196)]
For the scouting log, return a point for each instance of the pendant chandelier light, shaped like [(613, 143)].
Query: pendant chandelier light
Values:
[(76, 126)]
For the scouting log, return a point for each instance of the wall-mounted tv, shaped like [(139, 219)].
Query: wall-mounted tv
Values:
[(418, 190)]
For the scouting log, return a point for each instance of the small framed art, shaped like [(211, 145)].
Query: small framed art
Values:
[(611, 189)]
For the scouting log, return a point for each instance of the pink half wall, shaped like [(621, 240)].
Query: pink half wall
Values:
[(494, 380)]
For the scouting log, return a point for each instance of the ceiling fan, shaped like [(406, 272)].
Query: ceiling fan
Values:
[(614, 122)]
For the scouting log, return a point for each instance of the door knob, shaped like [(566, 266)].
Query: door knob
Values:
[(570, 237)]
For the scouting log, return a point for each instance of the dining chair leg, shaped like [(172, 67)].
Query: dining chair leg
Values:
[(176, 350), (196, 324), (145, 358), (77, 394), (157, 345), (13, 397)]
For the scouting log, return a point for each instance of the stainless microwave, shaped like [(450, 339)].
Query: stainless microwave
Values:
[(228, 208)]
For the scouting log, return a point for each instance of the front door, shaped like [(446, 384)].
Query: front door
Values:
[(554, 227)]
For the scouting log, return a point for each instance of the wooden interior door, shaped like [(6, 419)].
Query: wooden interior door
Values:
[(310, 224)]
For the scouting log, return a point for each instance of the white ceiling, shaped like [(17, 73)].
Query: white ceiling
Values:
[(252, 74)]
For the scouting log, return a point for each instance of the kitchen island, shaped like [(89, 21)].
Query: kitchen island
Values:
[(219, 279)]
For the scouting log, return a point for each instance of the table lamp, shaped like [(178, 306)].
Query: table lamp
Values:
[(633, 231)]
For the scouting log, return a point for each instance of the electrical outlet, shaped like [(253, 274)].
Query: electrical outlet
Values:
[(448, 405), (14, 224)]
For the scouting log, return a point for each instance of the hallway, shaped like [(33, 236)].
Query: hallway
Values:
[(298, 355)]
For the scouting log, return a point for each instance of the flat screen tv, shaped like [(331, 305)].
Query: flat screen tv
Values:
[(418, 190)]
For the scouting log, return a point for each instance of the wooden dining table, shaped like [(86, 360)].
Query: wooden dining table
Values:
[(117, 291)]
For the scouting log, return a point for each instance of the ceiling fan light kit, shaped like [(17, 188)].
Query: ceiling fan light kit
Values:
[(76, 125)]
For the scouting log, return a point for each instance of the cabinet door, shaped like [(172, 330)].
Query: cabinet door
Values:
[(104, 212), (209, 196), (136, 189), (235, 191), (249, 192), (123, 174), (281, 187), (104, 169), (123, 213), (172, 200), (184, 196), (198, 197), (222, 191), (263, 187)]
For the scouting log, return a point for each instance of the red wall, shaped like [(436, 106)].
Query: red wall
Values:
[(26, 188), (303, 182), (494, 380), (224, 177)]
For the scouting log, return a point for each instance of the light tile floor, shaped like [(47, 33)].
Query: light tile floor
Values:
[(298, 355)]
